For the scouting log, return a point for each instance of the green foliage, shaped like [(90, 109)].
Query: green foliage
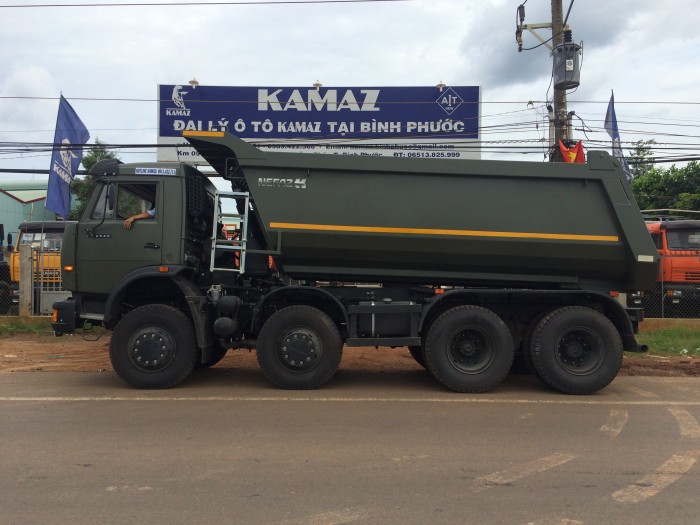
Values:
[(21, 325), (81, 187), (641, 160), (658, 188), (677, 338), (675, 187)]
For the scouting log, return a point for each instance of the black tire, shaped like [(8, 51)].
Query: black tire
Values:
[(469, 349), (217, 353), (153, 346), (576, 350), (299, 348), (417, 355)]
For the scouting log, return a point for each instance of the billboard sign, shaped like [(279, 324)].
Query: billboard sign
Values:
[(437, 122)]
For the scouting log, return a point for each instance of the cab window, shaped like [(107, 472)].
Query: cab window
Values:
[(131, 198)]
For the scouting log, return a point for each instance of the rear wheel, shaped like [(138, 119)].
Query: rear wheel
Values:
[(299, 348), (469, 349), (576, 350), (153, 346)]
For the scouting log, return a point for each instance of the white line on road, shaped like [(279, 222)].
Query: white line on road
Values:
[(688, 425), (466, 400), (651, 484), (616, 422), (506, 477), (640, 391)]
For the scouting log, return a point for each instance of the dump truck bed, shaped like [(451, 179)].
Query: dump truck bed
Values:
[(433, 221)]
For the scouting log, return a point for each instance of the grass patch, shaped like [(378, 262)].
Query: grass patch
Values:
[(25, 325), (679, 337)]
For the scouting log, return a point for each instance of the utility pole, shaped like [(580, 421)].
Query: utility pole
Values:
[(565, 70), (560, 117)]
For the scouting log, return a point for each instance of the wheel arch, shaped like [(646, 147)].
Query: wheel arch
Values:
[(300, 295), (174, 289), (510, 304)]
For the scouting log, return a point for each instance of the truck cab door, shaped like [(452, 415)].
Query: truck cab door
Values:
[(106, 250)]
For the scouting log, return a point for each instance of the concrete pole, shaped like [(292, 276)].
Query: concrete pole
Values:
[(560, 110)]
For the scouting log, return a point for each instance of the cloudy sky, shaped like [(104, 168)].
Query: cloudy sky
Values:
[(108, 62)]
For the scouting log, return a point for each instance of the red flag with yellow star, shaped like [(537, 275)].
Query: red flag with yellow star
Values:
[(574, 154)]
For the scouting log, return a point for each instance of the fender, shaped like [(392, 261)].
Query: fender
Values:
[(193, 296), (617, 313), (295, 291)]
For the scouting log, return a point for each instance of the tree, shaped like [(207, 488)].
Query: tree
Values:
[(81, 188), (642, 159), (675, 188)]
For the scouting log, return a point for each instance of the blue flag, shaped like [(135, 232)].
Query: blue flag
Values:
[(611, 128), (68, 142)]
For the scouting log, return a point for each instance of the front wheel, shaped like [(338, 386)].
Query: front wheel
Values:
[(153, 346), (299, 348), (576, 350)]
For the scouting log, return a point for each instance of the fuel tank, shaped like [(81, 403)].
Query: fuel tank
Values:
[(442, 222)]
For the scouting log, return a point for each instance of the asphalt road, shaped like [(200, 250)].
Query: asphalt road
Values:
[(370, 448)]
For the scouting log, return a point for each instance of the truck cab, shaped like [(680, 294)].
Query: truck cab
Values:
[(46, 240), (677, 290)]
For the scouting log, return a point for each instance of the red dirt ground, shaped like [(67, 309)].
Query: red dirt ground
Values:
[(31, 353)]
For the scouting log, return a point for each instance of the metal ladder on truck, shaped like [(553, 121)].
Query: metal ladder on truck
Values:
[(224, 200)]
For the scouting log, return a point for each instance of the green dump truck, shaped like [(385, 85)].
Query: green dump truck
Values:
[(467, 263)]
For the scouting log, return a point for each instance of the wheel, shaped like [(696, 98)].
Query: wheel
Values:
[(523, 358), (417, 355), (217, 353), (153, 346), (469, 349), (299, 348), (576, 350)]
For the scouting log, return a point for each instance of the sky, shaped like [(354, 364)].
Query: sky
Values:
[(108, 62)]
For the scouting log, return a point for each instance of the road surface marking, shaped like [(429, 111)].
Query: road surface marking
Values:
[(688, 425), (640, 391), (337, 517), (651, 484), (616, 422), (506, 477), (452, 400)]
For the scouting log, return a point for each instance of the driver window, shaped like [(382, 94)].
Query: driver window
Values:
[(132, 198), (135, 198)]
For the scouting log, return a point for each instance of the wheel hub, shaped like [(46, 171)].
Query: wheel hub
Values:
[(580, 351), (152, 349), (299, 350), (470, 352)]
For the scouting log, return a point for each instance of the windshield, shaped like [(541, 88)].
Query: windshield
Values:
[(44, 241), (683, 239)]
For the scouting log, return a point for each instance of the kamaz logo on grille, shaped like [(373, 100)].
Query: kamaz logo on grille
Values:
[(270, 182)]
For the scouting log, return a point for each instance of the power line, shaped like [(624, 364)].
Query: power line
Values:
[(180, 4)]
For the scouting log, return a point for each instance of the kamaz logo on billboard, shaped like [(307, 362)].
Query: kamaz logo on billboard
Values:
[(181, 110)]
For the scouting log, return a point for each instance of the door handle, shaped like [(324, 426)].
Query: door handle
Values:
[(152, 246)]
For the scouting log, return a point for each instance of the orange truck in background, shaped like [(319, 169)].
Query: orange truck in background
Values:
[(677, 289), (46, 239)]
